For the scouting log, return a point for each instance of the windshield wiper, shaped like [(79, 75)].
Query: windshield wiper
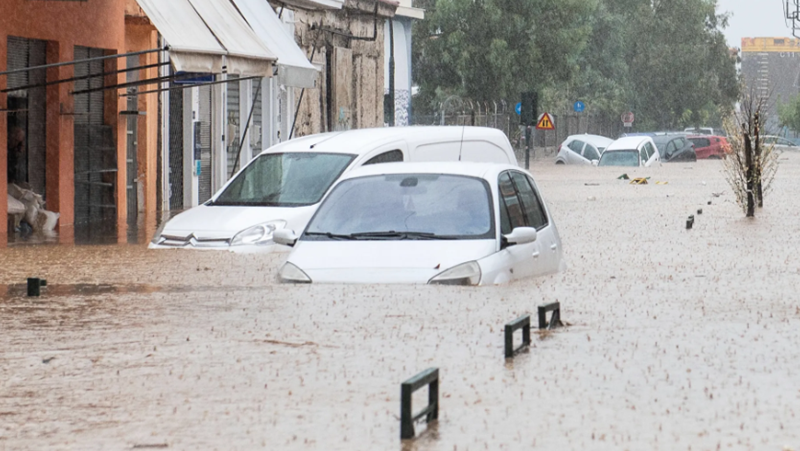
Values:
[(391, 234), (332, 236)]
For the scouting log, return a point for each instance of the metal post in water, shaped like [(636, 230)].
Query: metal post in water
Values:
[(35, 285)]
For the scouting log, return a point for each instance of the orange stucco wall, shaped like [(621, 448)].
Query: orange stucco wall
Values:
[(142, 37), (65, 24)]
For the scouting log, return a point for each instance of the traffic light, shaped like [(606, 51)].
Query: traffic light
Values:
[(530, 108)]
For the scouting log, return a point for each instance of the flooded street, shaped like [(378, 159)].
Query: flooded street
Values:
[(676, 339)]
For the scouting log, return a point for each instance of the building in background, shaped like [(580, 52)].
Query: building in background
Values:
[(771, 70), (327, 75), (65, 134), (398, 60)]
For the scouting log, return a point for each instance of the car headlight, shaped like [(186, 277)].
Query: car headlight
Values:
[(290, 273), (257, 234), (464, 274)]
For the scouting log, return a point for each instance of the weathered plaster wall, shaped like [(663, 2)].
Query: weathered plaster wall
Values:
[(350, 91)]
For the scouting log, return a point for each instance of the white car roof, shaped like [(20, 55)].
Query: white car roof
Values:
[(629, 142), (364, 140), (596, 140), (479, 170)]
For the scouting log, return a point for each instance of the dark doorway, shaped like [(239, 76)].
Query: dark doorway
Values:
[(95, 156), (132, 166), (27, 142)]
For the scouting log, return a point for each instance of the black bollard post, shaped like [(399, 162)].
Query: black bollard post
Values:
[(34, 286), (430, 378), (524, 323)]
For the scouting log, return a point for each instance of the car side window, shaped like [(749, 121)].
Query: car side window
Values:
[(391, 156), (576, 146), (643, 153), (650, 150), (590, 153), (534, 212), (671, 147), (510, 202)]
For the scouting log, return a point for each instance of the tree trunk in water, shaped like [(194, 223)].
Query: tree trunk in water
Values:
[(757, 150), (748, 160)]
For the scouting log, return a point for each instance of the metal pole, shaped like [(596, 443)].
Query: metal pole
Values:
[(303, 91), (73, 62), (528, 145), (200, 85), (246, 128), (84, 77), (391, 72)]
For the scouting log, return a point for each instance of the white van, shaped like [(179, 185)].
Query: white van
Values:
[(282, 187)]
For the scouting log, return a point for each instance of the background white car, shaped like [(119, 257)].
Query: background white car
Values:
[(446, 223), (631, 151), (283, 186), (582, 149)]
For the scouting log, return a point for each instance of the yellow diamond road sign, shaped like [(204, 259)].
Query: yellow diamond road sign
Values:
[(546, 122)]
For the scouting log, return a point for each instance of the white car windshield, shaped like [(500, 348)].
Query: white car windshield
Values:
[(285, 180), (405, 207), (619, 158)]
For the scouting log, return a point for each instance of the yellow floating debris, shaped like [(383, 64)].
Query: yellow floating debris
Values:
[(639, 181)]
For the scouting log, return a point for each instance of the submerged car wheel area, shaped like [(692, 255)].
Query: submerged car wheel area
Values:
[(436, 223)]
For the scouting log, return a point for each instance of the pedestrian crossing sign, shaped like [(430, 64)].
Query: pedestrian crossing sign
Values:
[(546, 122)]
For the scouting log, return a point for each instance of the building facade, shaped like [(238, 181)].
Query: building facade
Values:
[(771, 70), (214, 130), (139, 106), (90, 154)]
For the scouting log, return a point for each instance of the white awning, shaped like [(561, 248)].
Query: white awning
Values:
[(193, 48), (205, 35), (317, 4), (247, 55), (294, 69)]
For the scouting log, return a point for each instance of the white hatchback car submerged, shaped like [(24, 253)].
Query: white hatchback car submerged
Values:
[(282, 187), (631, 151), (441, 223), (582, 149)]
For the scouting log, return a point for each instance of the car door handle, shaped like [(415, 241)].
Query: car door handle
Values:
[(553, 246), (536, 254)]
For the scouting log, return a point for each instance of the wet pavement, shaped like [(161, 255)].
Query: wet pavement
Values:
[(676, 339)]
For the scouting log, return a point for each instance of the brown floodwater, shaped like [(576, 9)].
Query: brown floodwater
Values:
[(676, 339)]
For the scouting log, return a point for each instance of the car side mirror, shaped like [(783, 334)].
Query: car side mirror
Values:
[(520, 235), (286, 237), (595, 162)]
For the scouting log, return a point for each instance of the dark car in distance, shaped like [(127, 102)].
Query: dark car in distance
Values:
[(675, 147)]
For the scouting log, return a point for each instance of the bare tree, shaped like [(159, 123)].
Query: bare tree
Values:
[(751, 165)]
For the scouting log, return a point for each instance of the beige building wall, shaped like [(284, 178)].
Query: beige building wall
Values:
[(350, 89)]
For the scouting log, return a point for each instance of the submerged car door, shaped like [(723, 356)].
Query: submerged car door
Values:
[(536, 217), (576, 147), (590, 153), (652, 154), (523, 260)]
